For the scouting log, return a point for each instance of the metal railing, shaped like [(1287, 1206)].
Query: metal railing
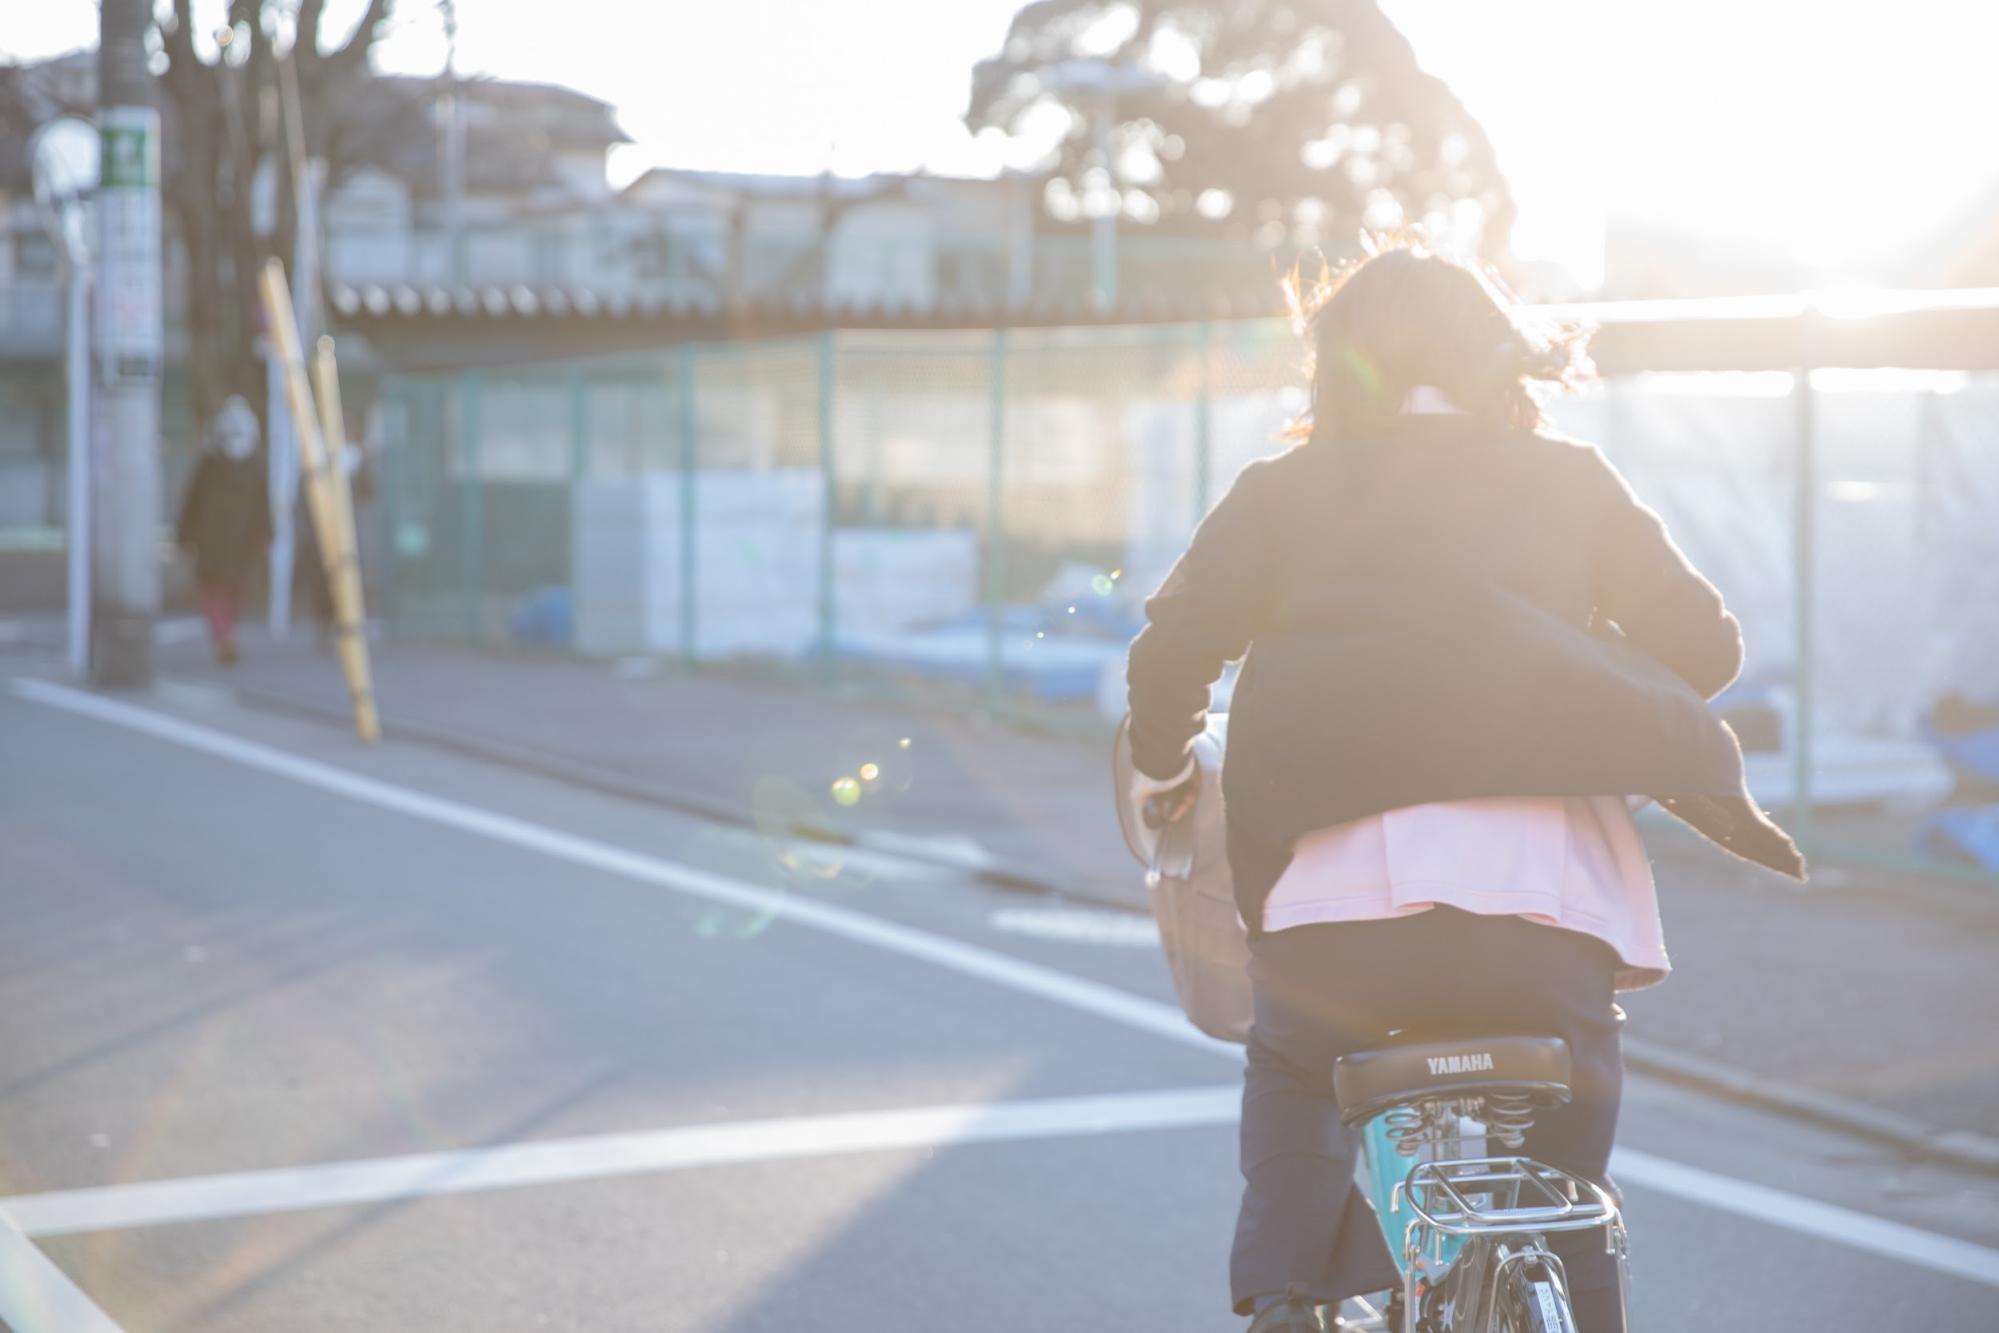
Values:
[(982, 511)]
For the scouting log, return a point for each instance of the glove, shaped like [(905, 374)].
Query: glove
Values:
[(1144, 788)]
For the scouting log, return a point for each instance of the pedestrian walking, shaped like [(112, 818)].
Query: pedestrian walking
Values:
[(1467, 641), (225, 521)]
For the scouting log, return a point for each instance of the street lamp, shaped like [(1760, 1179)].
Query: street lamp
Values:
[(1101, 82), (65, 157)]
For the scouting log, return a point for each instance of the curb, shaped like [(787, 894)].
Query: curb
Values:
[(972, 861), (1966, 1149), (1963, 1148)]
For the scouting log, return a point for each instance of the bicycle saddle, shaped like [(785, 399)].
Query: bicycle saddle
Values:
[(1370, 1082)]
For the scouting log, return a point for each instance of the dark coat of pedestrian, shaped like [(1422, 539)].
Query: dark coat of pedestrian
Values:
[(225, 521)]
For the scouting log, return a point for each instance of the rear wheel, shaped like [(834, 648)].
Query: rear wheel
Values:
[(1532, 1299)]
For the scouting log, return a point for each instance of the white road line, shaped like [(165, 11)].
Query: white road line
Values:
[(1119, 1006), (38, 1297), (1939, 1253), (203, 1198), (1862, 1231)]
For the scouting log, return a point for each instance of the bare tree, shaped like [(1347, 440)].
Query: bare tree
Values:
[(223, 125), (1280, 119)]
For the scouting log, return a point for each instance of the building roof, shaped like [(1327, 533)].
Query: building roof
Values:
[(879, 184), (513, 133), (563, 116), (436, 328)]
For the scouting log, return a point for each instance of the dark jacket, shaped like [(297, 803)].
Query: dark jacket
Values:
[(1441, 614), (225, 519)]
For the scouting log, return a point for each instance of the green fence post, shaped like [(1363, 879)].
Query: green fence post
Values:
[(690, 463), (470, 501), (395, 409), (996, 524), (579, 426), (1203, 418), (1804, 685), (579, 468), (828, 368)]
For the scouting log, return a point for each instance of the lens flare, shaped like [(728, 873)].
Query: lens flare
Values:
[(846, 790)]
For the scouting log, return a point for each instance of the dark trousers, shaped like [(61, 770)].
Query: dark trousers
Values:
[(1325, 990)]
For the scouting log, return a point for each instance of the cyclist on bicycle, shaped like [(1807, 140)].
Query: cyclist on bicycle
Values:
[(1467, 641)]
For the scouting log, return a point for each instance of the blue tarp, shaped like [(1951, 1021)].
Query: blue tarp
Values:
[(543, 617), (1969, 834)]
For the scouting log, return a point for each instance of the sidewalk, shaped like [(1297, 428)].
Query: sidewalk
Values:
[(1873, 992)]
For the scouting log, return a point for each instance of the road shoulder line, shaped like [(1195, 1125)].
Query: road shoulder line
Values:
[(595, 1156), (1929, 1250), (36, 1296)]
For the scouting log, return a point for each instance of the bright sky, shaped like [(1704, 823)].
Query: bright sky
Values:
[(1754, 119)]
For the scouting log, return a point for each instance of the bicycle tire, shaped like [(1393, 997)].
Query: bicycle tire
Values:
[(1533, 1300)]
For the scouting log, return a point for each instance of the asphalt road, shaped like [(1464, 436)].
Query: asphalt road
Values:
[(296, 1035)]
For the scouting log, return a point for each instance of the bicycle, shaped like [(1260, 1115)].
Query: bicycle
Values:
[(1473, 1227), (1473, 1245)]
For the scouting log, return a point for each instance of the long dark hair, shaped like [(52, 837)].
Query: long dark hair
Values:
[(1403, 315)]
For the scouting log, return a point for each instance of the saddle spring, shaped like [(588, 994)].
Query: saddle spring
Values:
[(1508, 1116), (1404, 1124)]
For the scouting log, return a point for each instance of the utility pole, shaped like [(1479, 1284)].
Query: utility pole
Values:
[(1103, 227), (454, 152), (125, 472), (1099, 83)]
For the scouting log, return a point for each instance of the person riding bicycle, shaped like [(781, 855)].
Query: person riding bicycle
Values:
[(1467, 642)]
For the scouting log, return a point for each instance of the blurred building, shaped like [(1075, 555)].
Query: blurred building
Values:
[(31, 304), (1646, 259), (529, 203), (1965, 251), (528, 220), (532, 201)]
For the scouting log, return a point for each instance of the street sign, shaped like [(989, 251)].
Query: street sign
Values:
[(129, 316)]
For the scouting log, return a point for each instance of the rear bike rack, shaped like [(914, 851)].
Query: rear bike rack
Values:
[(1489, 1201), (1536, 1197)]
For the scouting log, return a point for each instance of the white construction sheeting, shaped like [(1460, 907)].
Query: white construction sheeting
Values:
[(1906, 541), (756, 562), (1906, 524), (757, 548)]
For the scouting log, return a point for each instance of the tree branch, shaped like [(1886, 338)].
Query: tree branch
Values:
[(305, 45), (353, 53), (177, 40)]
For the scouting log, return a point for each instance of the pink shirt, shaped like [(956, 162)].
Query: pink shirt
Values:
[(1574, 862)]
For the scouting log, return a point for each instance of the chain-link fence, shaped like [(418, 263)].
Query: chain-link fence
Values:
[(978, 515)]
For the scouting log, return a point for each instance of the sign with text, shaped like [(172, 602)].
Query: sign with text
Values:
[(129, 316)]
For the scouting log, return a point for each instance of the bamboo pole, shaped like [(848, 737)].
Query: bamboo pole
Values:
[(327, 496), (344, 567)]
